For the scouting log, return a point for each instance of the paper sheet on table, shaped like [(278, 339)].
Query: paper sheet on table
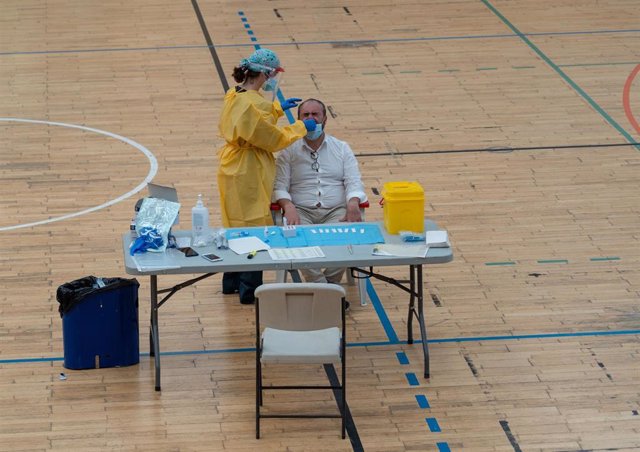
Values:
[(283, 254), (244, 245), (400, 250)]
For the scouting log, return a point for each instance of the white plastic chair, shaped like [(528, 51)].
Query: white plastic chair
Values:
[(300, 323), (281, 275)]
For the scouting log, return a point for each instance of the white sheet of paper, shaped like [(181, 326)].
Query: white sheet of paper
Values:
[(283, 254), (244, 245), (400, 250), (437, 238)]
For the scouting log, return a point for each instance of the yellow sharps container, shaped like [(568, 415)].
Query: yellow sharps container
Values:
[(403, 207)]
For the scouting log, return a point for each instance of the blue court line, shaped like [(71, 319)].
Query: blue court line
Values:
[(31, 360), (561, 73), (372, 344), (443, 447), (533, 336), (402, 358), (412, 379), (382, 315), (422, 401), (298, 43), (432, 422)]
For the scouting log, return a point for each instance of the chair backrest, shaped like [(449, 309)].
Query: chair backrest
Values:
[(299, 306)]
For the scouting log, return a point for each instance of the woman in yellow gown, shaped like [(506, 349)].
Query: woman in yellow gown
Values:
[(247, 163)]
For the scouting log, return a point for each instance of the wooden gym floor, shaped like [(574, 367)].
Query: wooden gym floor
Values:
[(519, 119)]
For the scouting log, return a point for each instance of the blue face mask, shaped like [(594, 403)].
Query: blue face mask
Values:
[(315, 134)]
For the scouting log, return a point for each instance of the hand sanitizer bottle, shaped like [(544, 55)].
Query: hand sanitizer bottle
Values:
[(199, 223)]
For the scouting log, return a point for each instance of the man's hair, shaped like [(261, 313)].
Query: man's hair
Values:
[(324, 109)]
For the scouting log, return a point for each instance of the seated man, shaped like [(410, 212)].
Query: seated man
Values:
[(318, 181)]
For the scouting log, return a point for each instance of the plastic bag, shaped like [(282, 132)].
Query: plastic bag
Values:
[(153, 223), (220, 239), (74, 292), (410, 236)]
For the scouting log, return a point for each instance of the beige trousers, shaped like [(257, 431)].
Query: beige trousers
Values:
[(320, 215)]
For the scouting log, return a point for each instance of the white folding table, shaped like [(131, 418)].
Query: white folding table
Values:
[(359, 259)]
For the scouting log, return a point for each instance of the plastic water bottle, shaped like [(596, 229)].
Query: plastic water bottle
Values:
[(199, 223)]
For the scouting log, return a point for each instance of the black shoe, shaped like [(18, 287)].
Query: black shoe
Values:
[(346, 305), (251, 300)]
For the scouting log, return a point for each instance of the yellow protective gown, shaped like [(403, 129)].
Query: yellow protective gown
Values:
[(247, 165)]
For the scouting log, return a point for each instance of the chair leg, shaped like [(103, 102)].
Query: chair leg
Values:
[(344, 398), (261, 389), (258, 397), (258, 380)]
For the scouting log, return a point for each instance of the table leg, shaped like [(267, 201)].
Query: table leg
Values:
[(155, 339), (295, 276), (415, 290), (423, 327), (412, 305)]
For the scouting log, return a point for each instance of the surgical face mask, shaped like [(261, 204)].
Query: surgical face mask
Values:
[(315, 134)]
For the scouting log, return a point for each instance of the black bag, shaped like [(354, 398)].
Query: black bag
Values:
[(72, 293)]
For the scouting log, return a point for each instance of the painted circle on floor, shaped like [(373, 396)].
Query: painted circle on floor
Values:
[(153, 169)]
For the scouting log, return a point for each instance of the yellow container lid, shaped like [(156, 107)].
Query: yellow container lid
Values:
[(402, 190)]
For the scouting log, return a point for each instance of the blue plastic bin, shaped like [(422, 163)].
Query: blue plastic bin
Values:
[(99, 322)]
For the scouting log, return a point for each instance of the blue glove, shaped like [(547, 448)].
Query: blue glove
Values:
[(149, 239), (290, 103), (310, 124)]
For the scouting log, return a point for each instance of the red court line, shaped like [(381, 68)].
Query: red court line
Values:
[(625, 98)]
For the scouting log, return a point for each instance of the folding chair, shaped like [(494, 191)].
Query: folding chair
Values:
[(300, 323), (281, 275)]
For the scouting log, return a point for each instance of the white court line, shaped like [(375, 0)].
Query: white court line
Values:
[(153, 163)]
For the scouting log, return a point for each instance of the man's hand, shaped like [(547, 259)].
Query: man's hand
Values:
[(290, 213), (353, 211)]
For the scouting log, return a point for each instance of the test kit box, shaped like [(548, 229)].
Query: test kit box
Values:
[(403, 207)]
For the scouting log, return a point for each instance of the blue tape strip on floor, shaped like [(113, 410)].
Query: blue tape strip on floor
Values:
[(422, 401), (402, 358), (432, 422), (412, 379), (382, 315), (368, 344)]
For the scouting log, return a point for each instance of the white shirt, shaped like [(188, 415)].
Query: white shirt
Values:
[(336, 181)]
